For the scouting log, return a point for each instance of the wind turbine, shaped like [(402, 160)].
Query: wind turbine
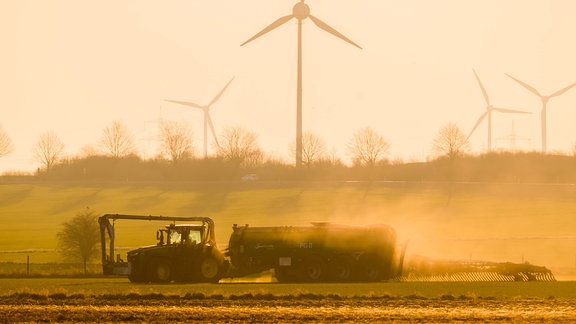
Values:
[(488, 113), (207, 118), (300, 11), (544, 103)]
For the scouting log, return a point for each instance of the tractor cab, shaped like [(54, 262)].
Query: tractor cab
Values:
[(182, 234)]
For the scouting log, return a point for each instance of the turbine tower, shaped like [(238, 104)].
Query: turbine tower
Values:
[(207, 118), (544, 103), (488, 113), (300, 11)]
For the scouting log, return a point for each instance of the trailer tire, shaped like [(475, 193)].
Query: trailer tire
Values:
[(312, 269), (209, 269), (370, 269), (161, 271), (341, 269)]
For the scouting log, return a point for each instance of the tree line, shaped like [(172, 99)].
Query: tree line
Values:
[(237, 153)]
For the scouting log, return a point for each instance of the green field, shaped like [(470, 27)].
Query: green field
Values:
[(495, 222)]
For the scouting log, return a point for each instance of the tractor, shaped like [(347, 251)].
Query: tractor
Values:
[(183, 252)]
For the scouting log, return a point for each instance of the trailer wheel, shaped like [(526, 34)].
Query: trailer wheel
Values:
[(161, 271), (209, 269), (370, 269), (341, 269), (312, 270)]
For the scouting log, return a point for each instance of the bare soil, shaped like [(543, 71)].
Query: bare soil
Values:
[(24, 307)]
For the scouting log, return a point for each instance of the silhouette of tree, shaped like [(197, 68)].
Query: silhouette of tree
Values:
[(240, 146), (5, 143), (48, 149), (367, 147), (450, 141), (176, 141), (313, 148), (117, 141), (80, 237)]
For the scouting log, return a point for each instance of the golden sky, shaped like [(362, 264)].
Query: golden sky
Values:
[(74, 67)]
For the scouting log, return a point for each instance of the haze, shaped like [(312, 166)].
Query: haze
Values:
[(75, 67)]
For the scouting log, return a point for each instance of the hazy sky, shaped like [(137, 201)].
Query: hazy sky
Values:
[(73, 67)]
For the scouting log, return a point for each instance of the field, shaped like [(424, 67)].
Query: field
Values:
[(493, 222), (464, 221), (111, 299)]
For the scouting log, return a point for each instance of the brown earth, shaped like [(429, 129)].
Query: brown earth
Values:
[(267, 308)]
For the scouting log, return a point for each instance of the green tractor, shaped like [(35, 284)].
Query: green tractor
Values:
[(183, 253)]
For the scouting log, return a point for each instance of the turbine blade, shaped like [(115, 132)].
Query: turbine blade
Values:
[(559, 92), (477, 124), (212, 128), (331, 30), (185, 103), (482, 88), (525, 85), (511, 111), (277, 23), (220, 93)]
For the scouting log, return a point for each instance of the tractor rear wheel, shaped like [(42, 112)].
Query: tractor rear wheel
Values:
[(161, 271)]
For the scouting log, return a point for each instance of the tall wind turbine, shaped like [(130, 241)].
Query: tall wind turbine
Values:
[(300, 11), (488, 113), (544, 103), (207, 118)]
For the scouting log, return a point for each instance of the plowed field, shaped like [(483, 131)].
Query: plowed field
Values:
[(267, 308)]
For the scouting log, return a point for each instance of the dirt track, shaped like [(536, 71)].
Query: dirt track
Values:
[(265, 308)]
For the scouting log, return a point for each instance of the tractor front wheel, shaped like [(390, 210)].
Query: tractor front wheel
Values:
[(209, 269)]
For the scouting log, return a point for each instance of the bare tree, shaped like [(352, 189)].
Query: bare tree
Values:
[(80, 236), (450, 141), (313, 148), (176, 140), (367, 147), (117, 140), (240, 146), (5, 143), (48, 149)]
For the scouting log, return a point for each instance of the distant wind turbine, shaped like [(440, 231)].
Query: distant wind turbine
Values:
[(207, 118), (488, 113), (544, 103), (300, 11)]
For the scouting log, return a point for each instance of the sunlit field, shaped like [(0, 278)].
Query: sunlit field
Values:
[(113, 299), (493, 222)]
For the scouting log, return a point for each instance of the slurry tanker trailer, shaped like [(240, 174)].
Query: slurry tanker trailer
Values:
[(322, 252)]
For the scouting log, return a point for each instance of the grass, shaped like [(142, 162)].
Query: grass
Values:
[(496, 222)]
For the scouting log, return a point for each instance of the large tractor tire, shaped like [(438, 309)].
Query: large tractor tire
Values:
[(209, 269), (161, 271)]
